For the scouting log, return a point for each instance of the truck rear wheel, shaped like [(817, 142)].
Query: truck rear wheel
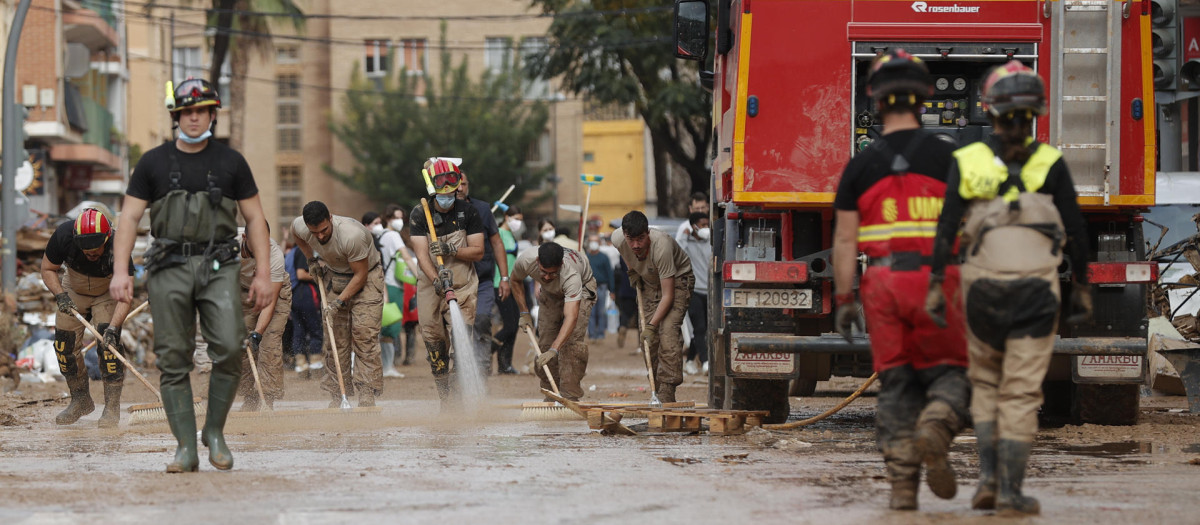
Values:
[(1107, 404), (762, 394), (803, 387)]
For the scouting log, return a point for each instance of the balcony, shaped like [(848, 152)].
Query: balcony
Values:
[(91, 28), (97, 147)]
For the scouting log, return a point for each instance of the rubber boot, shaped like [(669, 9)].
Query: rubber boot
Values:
[(181, 416), (81, 400), (450, 401), (112, 404), (621, 336), (985, 493), (936, 428), (366, 397), (504, 359), (904, 473), (666, 393), (222, 389), (250, 402), (1011, 459), (387, 354)]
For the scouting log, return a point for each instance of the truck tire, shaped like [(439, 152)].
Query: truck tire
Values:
[(1107, 404), (803, 387), (762, 394), (716, 391)]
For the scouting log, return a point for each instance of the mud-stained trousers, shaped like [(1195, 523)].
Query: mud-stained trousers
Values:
[(1011, 322), (434, 315), (570, 366), (269, 359), (91, 298), (176, 295), (667, 359), (356, 331)]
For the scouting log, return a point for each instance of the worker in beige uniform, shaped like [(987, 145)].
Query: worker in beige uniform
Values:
[(460, 238), (265, 341), (341, 254), (567, 297), (662, 272)]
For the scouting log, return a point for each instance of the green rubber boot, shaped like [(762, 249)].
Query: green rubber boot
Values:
[(181, 416), (112, 405), (985, 494), (222, 389), (1011, 459)]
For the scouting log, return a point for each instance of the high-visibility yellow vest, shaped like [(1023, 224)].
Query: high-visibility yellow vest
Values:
[(982, 172)]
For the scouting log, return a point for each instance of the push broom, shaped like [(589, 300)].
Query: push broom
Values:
[(590, 180), (144, 413), (543, 411)]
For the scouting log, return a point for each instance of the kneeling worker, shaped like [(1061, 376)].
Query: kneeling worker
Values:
[(567, 296)]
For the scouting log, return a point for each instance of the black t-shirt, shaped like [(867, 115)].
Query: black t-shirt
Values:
[(460, 217), (151, 178), (932, 156), (486, 267), (61, 248)]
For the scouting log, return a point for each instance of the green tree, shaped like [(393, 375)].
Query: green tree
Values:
[(393, 124), (622, 54)]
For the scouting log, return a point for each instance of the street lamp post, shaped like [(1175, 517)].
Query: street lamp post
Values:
[(13, 134)]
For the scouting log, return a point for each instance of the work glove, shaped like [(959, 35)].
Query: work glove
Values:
[(443, 249), (317, 269), (1081, 303), (65, 304), (935, 301), (444, 282), (848, 316), (526, 321), (650, 337), (333, 307), (112, 337), (544, 359), (253, 341)]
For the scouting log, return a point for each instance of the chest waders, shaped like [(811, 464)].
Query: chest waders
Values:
[(192, 267), (1013, 241)]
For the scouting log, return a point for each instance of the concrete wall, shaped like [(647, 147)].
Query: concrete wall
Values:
[(614, 149)]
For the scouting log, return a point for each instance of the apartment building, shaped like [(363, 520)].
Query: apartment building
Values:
[(70, 78), (295, 89)]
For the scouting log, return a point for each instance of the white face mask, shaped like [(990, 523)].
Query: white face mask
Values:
[(704, 233), (514, 225), (593, 246), (397, 224), (548, 235), (377, 230)]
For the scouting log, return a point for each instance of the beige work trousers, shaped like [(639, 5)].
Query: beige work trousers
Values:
[(269, 359), (666, 359), (570, 366), (356, 332)]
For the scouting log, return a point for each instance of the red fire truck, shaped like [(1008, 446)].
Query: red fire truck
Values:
[(789, 109)]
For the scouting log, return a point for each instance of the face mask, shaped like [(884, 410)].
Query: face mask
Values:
[(593, 246), (377, 230), (704, 233), (397, 224), (514, 225), (548, 235), (445, 201), (203, 137)]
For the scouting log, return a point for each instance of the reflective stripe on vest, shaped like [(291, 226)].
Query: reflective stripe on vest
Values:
[(982, 172), (898, 230)]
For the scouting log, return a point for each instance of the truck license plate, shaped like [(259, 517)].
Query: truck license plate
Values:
[(761, 298), (1109, 366), (763, 362)]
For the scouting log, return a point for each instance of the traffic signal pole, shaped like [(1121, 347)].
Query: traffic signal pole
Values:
[(13, 134)]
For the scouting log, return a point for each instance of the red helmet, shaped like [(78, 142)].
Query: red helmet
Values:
[(1011, 87), (92, 229), (897, 72), (445, 176)]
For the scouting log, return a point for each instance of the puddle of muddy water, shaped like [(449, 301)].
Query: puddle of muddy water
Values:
[(1120, 449)]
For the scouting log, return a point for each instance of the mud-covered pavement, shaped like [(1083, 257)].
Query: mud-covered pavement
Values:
[(408, 465)]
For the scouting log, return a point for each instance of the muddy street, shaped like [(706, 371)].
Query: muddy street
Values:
[(407, 465)]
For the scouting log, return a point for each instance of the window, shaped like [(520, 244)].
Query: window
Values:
[(287, 55), (188, 63), (226, 77), (289, 139), (289, 192), (497, 54), (289, 86), (288, 113), (413, 55), (535, 88), (539, 151), (376, 63)]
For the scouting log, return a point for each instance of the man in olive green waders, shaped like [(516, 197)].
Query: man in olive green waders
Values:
[(194, 188)]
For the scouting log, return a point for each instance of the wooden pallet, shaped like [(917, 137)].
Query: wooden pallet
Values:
[(596, 412), (720, 422)]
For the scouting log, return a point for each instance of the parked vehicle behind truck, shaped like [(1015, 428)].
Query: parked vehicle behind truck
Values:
[(789, 109)]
